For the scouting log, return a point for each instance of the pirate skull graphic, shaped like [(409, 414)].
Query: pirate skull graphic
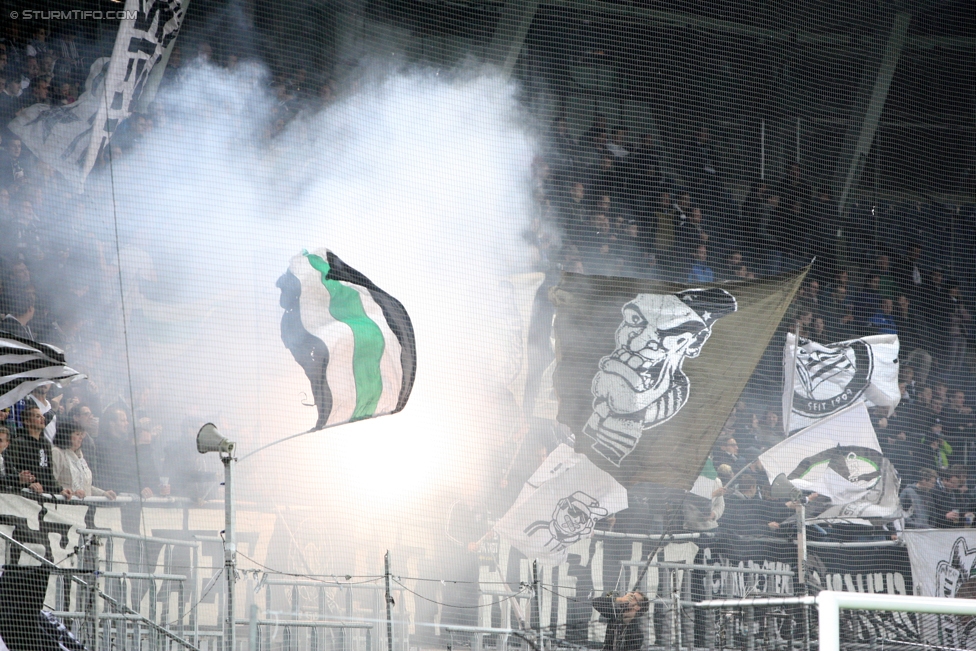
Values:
[(641, 385)]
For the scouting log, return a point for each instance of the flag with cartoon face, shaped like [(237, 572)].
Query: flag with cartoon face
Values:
[(647, 372), (560, 505), (943, 565)]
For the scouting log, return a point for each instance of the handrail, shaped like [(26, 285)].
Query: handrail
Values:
[(109, 533), (713, 568), (129, 611)]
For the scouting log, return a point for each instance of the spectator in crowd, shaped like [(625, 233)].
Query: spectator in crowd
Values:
[(10, 479), (748, 514), (953, 502), (907, 325), (917, 500), (691, 234), (959, 425), (20, 307), (70, 468), (31, 452), (768, 432), (12, 164), (701, 163), (908, 273), (840, 315), (867, 302), (728, 454), (883, 321), (959, 319), (39, 397), (700, 271), (623, 616)]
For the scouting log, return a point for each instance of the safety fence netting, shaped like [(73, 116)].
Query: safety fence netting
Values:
[(525, 324)]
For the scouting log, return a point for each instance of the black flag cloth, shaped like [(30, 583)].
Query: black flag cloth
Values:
[(647, 372)]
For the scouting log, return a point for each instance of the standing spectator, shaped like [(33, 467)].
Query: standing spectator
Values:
[(908, 272), (701, 166), (19, 299), (12, 164), (10, 479), (953, 503), (70, 467), (918, 500), (959, 319), (624, 630), (728, 454), (563, 148), (959, 425), (867, 302), (840, 315), (883, 321), (908, 326), (700, 271), (31, 453), (690, 235)]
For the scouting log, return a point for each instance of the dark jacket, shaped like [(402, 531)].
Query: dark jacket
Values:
[(9, 479), (28, 453), (949, 500), (621, 635)]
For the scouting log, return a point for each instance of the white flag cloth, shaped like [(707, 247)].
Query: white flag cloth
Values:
[(559, 505), (69, 138), (839, 457), (829, 377), (943, 561)]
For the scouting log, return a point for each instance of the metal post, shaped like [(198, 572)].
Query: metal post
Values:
[(798, 139), (801, 565), (253, 628), (230, 552), (762, 149), (538, 602), (801, 546), (389, 604)]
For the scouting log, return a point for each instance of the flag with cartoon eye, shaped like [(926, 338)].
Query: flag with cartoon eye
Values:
[(647, 372)]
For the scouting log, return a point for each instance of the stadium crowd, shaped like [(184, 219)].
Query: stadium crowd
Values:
[(609, 203)]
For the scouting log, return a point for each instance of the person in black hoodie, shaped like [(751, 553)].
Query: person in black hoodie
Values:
[(623, 615), (31, 452)]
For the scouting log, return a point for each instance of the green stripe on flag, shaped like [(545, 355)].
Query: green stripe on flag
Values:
[(345, 305)]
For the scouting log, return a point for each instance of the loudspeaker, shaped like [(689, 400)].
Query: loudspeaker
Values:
[(209, 440)]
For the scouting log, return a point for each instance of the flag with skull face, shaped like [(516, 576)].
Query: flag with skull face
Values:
[(648, 372)]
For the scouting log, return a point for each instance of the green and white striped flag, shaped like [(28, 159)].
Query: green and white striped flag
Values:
[(354, 341)]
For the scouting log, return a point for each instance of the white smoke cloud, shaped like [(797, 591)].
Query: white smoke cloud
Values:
[(420, 182)]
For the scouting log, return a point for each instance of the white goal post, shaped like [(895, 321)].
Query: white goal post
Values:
[(829, 604)]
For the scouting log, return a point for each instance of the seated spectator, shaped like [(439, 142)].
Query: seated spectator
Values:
[(953, 502), (70, 468), (31, 452), (918, 501), (700, 271), (883, 321)]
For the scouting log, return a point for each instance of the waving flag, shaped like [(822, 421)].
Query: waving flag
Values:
[(560, 505), (354, 341), (829, 377), (26, 365), (648, 372), (70, 138), (839, 457)]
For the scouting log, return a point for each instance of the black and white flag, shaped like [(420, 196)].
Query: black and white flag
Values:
[(26, 365), (827, 378), (559, 506), (70, 138), (944, 565), (839, 457)]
